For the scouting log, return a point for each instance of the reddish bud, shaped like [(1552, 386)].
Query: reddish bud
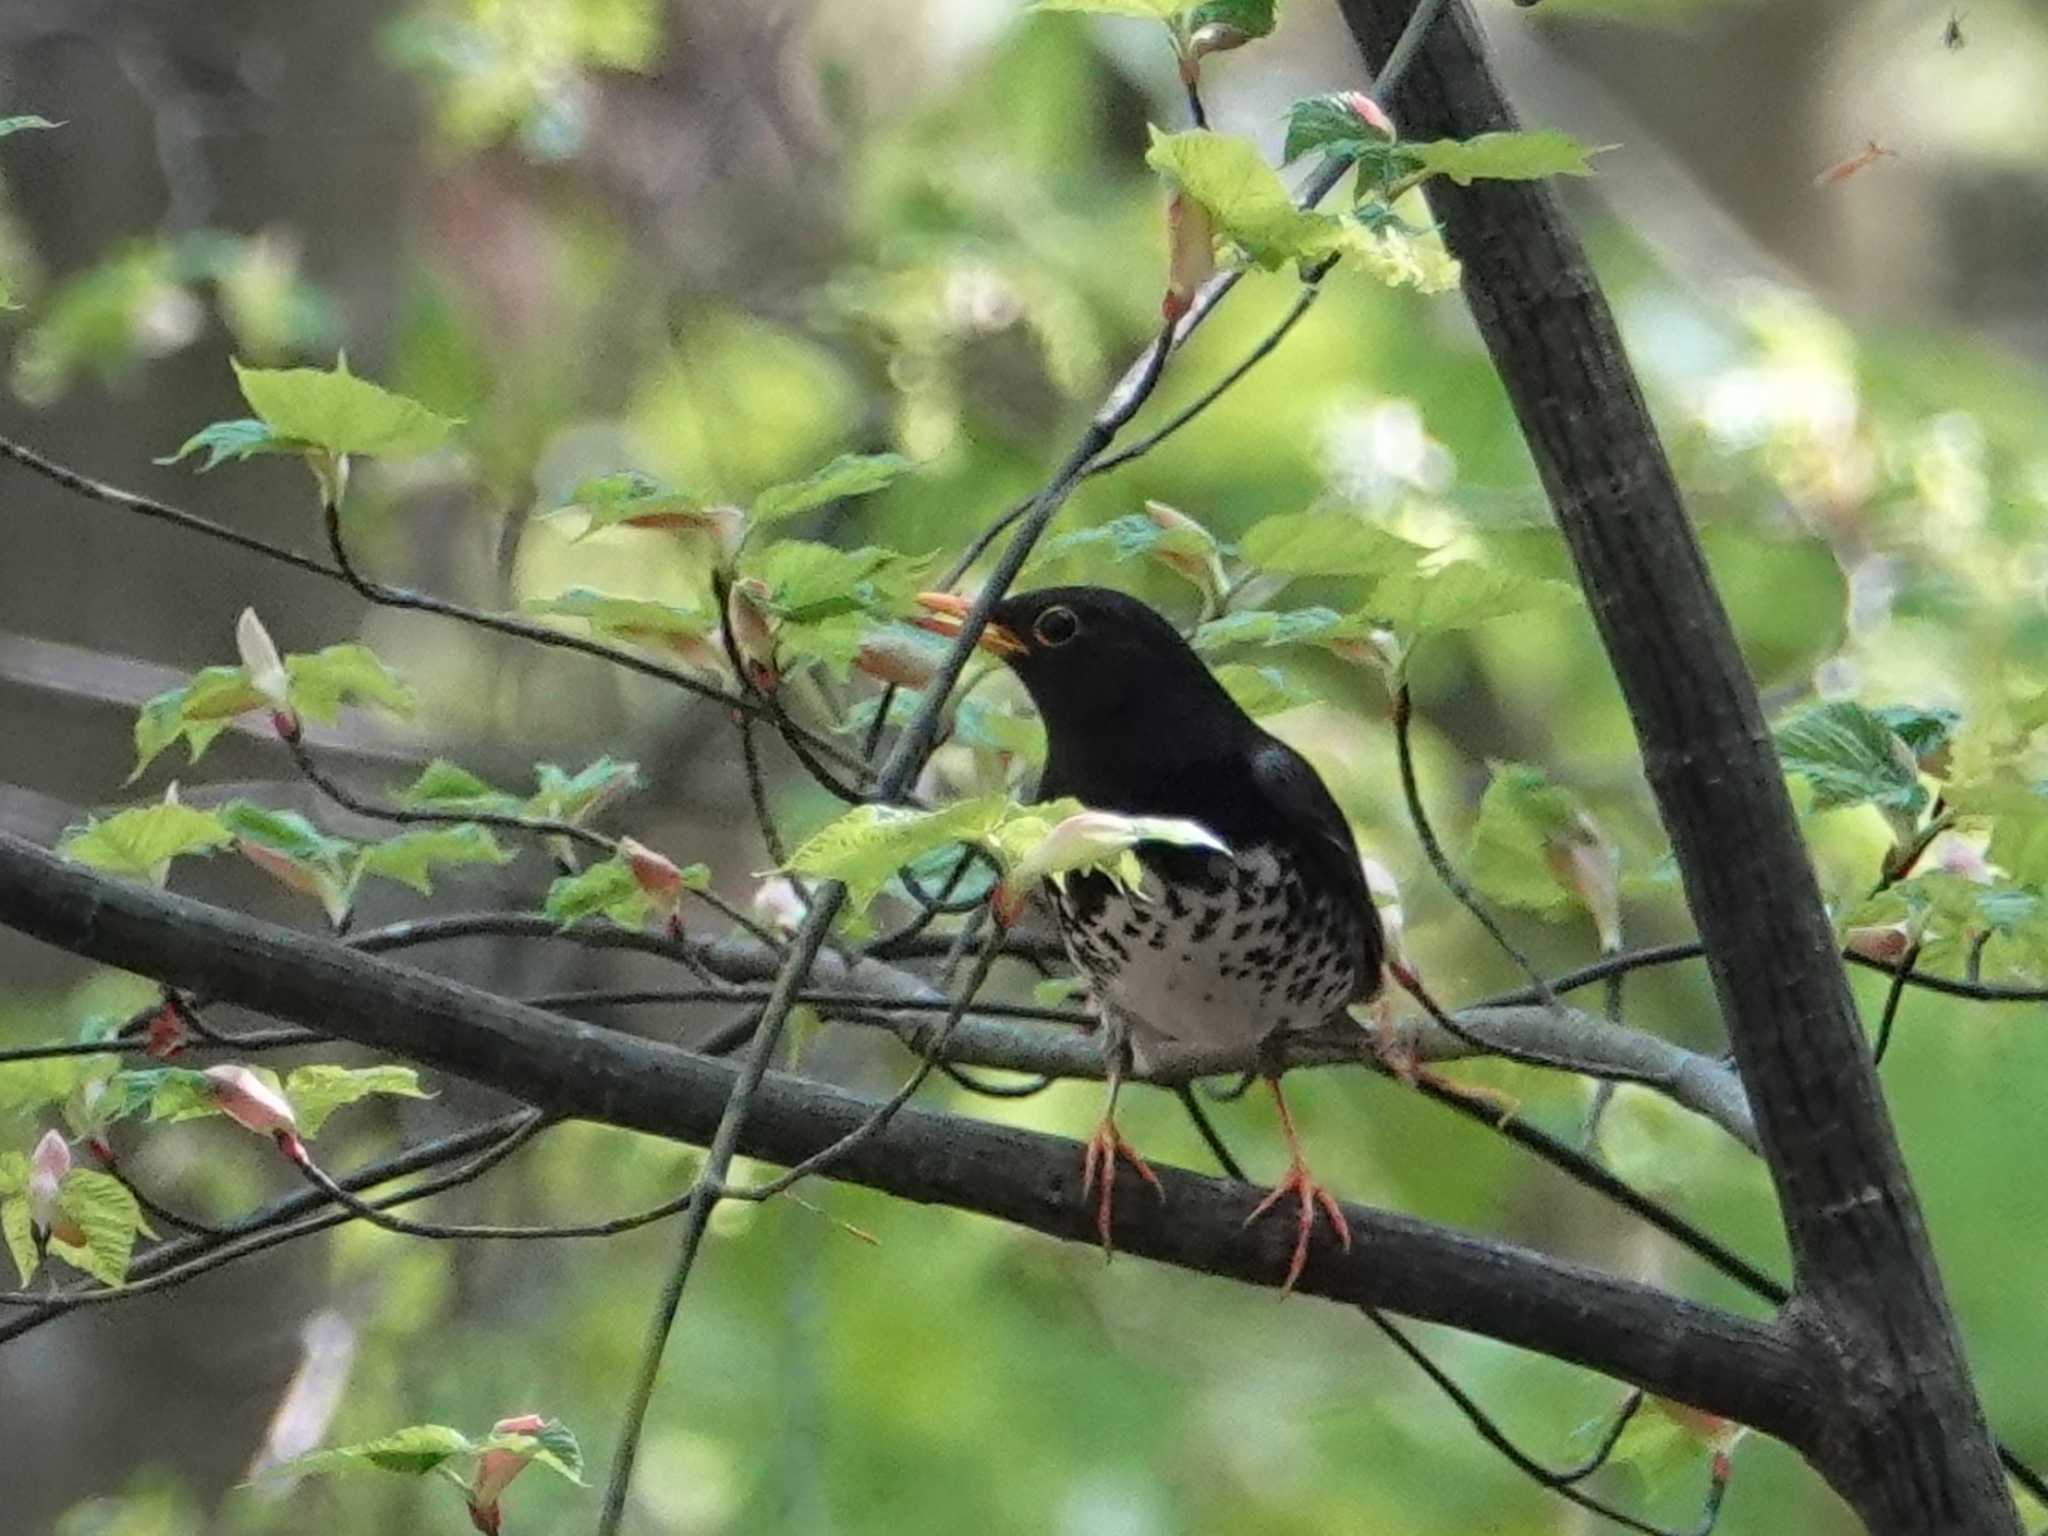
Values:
[(47, 1167), (496, 1468), (1887, 945), (1191, 253), (1368, 112), (753, 633), (165, 1035), (654, 873), (897, 655), (254, 1105)]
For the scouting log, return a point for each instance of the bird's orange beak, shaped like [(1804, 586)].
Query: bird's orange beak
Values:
[(947, 609)]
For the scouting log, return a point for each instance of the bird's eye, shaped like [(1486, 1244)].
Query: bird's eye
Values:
[(1055, 627)]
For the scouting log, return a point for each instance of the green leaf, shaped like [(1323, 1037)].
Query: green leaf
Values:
[(318, 1090), (1929, 733), (571, 797), (103, 1206), (13, 1173), (809, 582), (287, 833), (634, 500), (552, 1446), (141, 843), (851, 474), (345, 674), (178, 1094), (198, 711), (1521, 814), (609, 890), (335, 410), (415, 1451), (18, 124), (1142, 10), (1331, 543), (1504, 157), (1172, 538), (232, 440), (19, 1229), (411, 858), (1244, 195), (1266, 627), (867, 845), (1666, 1441), (1261, 690), (1459, 594), (630, 618), (1254, 18), (1851, 757), (446, 786), (1327, 123)]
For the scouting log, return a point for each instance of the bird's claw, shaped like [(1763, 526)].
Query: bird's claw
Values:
[(1310, 1195), (1099, 1159)]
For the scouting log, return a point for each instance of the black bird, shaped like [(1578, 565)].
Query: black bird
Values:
[(1217, 949)]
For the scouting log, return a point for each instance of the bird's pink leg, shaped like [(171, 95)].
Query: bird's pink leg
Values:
[(1308, 1195), (1099, 1159)]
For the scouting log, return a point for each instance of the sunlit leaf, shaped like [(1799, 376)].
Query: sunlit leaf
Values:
[(319, 1089), (850, 474), (808, 582), (612, 891), (638, 619), (1330, 543), (866, 846), (345, 674), (197, 712), (1850, 757), (107, 1212), (1461, 593), (411, 858), (415, 1450), (1504, 157), (335, 410), (1245, 196), (631, 499), (138, 843), (446, 786)]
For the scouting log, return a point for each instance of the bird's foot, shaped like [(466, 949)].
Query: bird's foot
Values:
[(1308, 1196), (1098, 1160)]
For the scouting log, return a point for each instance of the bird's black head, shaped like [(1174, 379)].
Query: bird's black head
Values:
[(1103, 667)]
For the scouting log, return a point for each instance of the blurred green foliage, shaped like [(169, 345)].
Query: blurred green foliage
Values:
[(980, 260)]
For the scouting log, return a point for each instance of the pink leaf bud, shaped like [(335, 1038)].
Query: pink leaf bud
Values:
[(496, 1468), (251, 1103), (1191, 253), (1368, 112), (1886, 944), (753, 634), (46, 1170), (898, 655), (655, 873)]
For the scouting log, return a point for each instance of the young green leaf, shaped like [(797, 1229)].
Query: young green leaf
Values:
[(106, 1211), (805, 583), (1460, 594), (1930, 733), (225, 441), (22, 122), (414, 1450), (1851, 757), (196, 712), (446, 786), (19, 1230), (1330, 543), (290, 848), (1261, 690), (571, 797), (345, 674), (1266, 627), (318, 1090), (611, 890), (1336, 125), (639, 619), (851, 474), (1504, 157), (1244, 196), (141, 843), (553, 1446), (1251, 18), (866, 846), (630, 499), (411, 858), (1535, 847), (334, 410)]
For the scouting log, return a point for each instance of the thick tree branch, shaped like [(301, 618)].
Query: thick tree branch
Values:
[(1904, 1439), (1727, 1364)]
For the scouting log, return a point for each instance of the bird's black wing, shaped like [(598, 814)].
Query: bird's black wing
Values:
[(1298, 796)]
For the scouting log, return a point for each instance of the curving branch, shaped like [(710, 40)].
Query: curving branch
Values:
[(1730, 1365)]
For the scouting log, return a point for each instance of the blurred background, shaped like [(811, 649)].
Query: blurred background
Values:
[(722, 240)]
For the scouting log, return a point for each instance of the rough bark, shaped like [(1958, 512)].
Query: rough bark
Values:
[(1901, 1434)]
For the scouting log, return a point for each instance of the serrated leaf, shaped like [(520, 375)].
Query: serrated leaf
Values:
[(1331, 543), (635, 500), (866, 846), (1261, 690), (1460, 594), (851, 474), (225, 441), (106, 1210), (1102, 842), (446, 786), (610, 890), (1930, 733), (318, 1090), (179, 1094), (198, 711), (1266, 627), (807, 582), (1254, 18), (1141, 10), (23, 122), (19, 1228), (140, 843), (335, 410), (345, 674), (571, 797), (1521, 814), (1328, 123), (1851, 757), (553, 1446), (415, 1450), (1504, 157), (285, 832), (630, 618), (1243, 195), (411, 858)]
